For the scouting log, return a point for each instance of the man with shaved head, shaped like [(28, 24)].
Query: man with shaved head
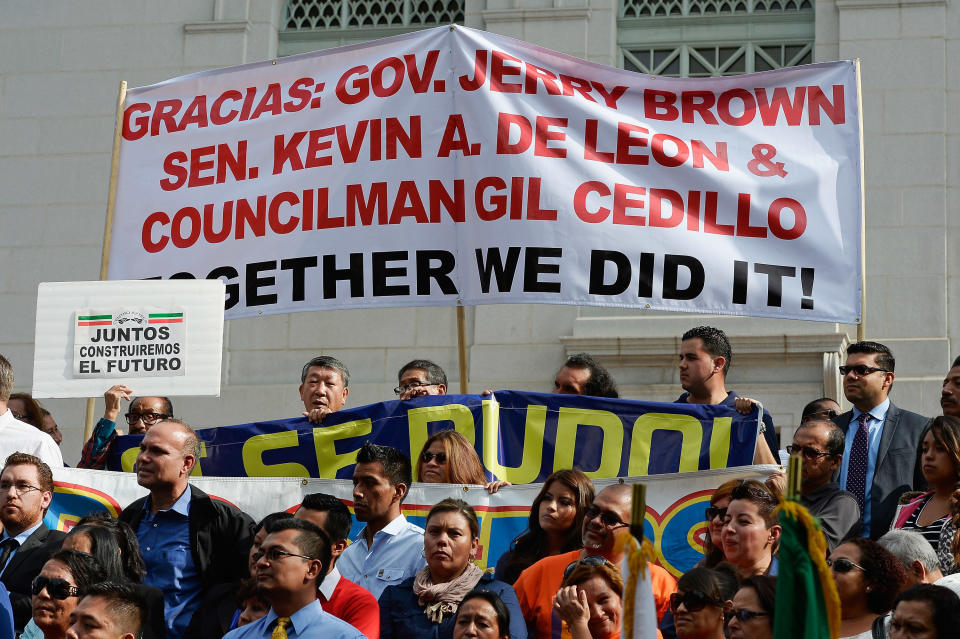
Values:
[(189, 541), (604, 523)]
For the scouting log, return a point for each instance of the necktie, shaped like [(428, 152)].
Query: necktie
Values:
[(857, 468), (7, 546), (280, 630)]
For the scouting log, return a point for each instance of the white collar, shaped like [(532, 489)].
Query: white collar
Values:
[(329, 584)]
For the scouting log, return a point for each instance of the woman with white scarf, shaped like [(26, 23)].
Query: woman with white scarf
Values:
[(425, 606)]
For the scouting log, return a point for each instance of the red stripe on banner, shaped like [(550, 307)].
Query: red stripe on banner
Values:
[(102, 323), (93, 493), (178, 320)]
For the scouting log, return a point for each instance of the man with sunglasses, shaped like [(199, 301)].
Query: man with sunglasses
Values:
[(880, 453), (144, 412), (26, 489), (290, 564), (820, 443), (604, 523)]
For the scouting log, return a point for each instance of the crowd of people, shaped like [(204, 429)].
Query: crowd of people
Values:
[(178, 564)]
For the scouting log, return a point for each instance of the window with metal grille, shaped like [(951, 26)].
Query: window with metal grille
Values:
[(709, 38)]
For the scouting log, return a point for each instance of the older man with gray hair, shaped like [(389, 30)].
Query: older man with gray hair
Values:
[(17, 436), (323, 387), (918, 557)]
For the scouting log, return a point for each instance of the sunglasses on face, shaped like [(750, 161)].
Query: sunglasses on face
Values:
[(820, 414), (426, 457), (589, 560), (843, 564), (860, 370), (809, 453), (746, 615), (692, 600), (56, 588), (714, 511), (608, 519)]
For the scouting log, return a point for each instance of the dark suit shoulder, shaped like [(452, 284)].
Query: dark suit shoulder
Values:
[(911, 420)]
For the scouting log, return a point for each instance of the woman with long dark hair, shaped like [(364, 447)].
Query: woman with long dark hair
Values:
[(553, 527)]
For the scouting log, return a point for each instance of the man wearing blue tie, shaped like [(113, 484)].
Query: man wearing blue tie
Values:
[(879, 458)]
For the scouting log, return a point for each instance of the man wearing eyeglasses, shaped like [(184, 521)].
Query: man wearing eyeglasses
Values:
[(419, 378), (144, 412), (880, 453), (604, 523), (189, 542), (291, 562), (26, 488), (820, 442)]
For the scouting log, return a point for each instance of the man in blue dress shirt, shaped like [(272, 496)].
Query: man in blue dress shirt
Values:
[(188, 541), (292, 560), (880, 452), (389, 549)]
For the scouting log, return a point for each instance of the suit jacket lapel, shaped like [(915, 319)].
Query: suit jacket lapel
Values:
[(886, 436), (36, 538)]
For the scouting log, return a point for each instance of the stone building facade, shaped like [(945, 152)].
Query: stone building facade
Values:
[(61, 63)]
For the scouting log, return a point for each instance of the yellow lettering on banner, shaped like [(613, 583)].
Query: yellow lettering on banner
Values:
[(532, 457), (128, 458), (419, 418), (569, 420), (325, 439), (643, 430), (720, 442), (196, 467), (254, 448)]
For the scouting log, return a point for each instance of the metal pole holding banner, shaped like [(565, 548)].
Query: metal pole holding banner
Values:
[(108, 228), (462, 347), (861, 331)]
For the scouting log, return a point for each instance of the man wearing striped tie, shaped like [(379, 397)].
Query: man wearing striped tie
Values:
[(292, 559), (879, 457)]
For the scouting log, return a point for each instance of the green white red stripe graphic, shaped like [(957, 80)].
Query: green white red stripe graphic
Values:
[(94, 320), (165, 318)]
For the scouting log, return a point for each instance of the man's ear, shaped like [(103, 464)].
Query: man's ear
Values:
[(442, 389), (337, 548), (719, 363), (918, 571), (346, 391), (400, 491)]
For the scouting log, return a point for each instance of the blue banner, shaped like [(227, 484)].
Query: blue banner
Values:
[(520, 437)]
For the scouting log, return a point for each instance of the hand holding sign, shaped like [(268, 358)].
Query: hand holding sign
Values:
[(112, 399)]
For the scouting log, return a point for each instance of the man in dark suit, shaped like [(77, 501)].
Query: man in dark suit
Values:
[(26, 488), (879, 458)]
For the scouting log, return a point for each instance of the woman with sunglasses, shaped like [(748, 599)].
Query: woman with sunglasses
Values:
[(102, 544), (57, 590), (424, 606), (590, 601), (752, 614), (702, 601), (751, 534), (868, 578), (448, 458), (554, 525), (716, 512)]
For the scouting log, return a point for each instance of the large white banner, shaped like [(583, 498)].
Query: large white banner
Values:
[(675, 519), (453, 164)]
